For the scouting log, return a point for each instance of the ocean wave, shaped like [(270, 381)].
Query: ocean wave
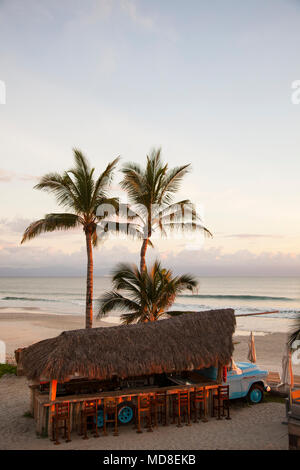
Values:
[(65, 294), (35, 299), (31, 299), (240, 310), (236, 297)]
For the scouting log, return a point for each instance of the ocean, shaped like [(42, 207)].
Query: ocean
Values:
[(66, 295)]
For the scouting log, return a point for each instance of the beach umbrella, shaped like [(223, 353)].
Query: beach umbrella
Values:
[(251, 353), (287, 377)]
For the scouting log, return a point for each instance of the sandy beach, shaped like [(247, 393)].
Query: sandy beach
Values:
[(255, 427), (20, 328), (251, 427)]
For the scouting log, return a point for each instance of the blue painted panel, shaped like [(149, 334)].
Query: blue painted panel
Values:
[(209, 372), (234, 395), (239, 384)]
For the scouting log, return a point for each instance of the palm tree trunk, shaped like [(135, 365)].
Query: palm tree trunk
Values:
[(143, 254), (89, 282)]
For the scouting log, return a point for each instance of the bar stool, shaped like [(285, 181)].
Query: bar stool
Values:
[(159, 406), (143, 408), (62, 415), (110, 414), (90, 409), (220, 402), (182, 406), (198, 400)]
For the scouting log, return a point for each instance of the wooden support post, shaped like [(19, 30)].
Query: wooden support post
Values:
[(220, 373), (291, 370), (166, 409), (138, 414), (206, 394), (37, 422), (72, 405), (52, 397), (34, 387), (52, 393), (32, 397), (116, 432), (178, 410), (189, 408)]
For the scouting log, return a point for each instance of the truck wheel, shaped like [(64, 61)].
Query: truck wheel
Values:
[(255, 394), (126, 412), (100, 417)]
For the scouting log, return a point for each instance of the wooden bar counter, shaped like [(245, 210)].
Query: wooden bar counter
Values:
[(42, 406)]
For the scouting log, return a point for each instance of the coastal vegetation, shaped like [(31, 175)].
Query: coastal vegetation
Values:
[(7, 369), (151, 192), (81, 193), (295, 334), (145, 295)]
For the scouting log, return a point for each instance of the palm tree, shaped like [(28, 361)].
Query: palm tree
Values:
[(79, 192), (151, 191), (143, 295)]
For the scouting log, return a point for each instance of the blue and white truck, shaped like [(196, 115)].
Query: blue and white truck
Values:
[(244, 379)]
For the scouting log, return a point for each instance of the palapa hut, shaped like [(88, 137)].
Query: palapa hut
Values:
[(110, 358), (188, 341)]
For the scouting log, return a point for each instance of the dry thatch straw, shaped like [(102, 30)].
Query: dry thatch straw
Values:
[(189, 341)]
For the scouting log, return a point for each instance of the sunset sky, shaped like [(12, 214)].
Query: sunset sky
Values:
[(208, 81)]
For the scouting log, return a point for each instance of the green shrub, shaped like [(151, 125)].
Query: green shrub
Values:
[(7, 369), (269, 398)]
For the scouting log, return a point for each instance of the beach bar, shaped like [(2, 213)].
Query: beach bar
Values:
[(92, 377)]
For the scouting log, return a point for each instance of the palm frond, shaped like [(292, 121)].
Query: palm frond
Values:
[(175, 313), (58, 185), (187, 227), (81, 162), (82, 176), (107, 227), (172, 182), (113, 300), (133, 183), (295, 334), (106, 207), (146, 295), (151, 191), (132, 317), (50, 223), (125, 273), (103, 181)]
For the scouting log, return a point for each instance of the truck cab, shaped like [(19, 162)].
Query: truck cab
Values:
[(244, 379), (247, 380)]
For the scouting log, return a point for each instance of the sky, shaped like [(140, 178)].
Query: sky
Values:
[(208, 81)]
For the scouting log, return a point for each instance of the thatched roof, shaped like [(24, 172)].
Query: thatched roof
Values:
[(189, 341)]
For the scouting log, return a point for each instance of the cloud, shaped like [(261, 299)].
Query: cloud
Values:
[(131, 9), (26, 260), (25, 177), (214, 262), (30, 261), (252, 235), (149, 23), (7, 176), (17, 224)]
